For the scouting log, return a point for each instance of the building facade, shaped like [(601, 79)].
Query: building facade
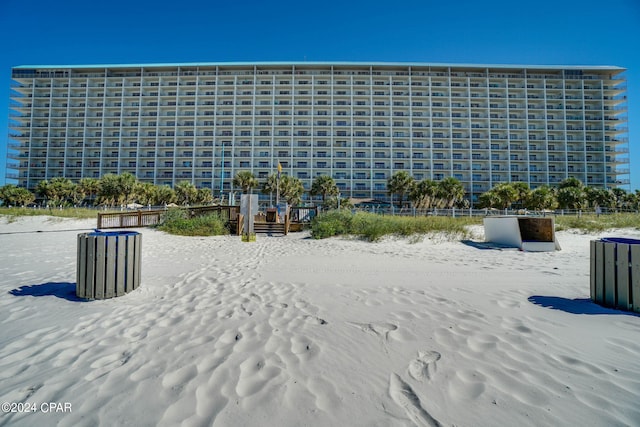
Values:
[(357, 122)]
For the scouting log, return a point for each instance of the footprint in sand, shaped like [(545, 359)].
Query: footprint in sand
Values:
[(406, 398), (424, 366), (381, 330)]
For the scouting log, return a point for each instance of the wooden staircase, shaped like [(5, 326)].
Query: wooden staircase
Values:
[(269, 228)]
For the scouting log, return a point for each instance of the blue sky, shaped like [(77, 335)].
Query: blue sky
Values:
[(543, 32)]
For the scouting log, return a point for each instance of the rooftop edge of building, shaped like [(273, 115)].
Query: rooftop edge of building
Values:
[(310, 64)]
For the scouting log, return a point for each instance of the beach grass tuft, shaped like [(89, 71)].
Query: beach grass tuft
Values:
[(80, 213), (372, 227), (176, 222), (592, 223)]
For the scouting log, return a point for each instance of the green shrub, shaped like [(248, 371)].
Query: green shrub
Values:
[(332, 223), (175, 221), (372, 227)]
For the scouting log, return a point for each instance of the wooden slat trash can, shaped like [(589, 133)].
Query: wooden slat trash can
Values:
[(615, 273), (108, 264)]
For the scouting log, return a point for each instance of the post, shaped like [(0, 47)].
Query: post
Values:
[(278, 187), (222, 174), (286, 224)]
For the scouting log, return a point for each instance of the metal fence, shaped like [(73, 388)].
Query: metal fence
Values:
[(303, 214)]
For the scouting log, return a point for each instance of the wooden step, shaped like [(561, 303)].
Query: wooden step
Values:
[(269, 228)]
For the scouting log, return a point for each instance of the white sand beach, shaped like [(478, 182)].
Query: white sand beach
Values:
[(290, 331)]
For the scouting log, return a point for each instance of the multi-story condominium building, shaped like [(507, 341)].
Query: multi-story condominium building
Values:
[(357, 122)]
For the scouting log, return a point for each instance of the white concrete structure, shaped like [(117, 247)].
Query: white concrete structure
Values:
[(524, 233), (358, 122)]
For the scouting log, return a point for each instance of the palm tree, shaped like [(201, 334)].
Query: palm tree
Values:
[(620, 196), (126, 187), (571, 194), (506, 194), (11, 195), (108, 192), (164, 195), (542, 198), (399, 183), (572, 198), (451, 191), (145, 193), (325, 186), (571, 182), (270, 186), (424, 194), (635, 200), (523, 191), (291, 189), (58, 190), (599, 197), (246, 181), (631, 201), (42, 189), (186, 193), (204, 196), (488, 199), (90, 187)]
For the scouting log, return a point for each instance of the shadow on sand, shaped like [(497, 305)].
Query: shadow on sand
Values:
[(64, 290), (489, 245), (576, 306)]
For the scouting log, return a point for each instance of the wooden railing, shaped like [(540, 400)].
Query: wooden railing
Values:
[(226, 213), (129, 219), (229, 214)]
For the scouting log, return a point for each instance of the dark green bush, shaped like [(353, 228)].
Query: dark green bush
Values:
[(332, 223)]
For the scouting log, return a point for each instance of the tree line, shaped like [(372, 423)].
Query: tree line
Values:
[(117, 190), (110, 190), (571, 193)]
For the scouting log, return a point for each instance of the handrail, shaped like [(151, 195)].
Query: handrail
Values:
[(140, 218)]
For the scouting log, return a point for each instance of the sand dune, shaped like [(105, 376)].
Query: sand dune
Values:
[(289, 331)]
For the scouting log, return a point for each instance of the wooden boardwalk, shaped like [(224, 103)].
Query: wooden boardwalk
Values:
[(140, 218), (294, 221)]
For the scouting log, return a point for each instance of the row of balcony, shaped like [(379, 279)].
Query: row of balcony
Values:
[(199, 167), (355, 162), (377, 129), (539, 113), (289, 96), (595, 146), (533, 123), (615, 113), (560, 145), (598, 82), (596, 106), (378, 135), (398, 152)]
